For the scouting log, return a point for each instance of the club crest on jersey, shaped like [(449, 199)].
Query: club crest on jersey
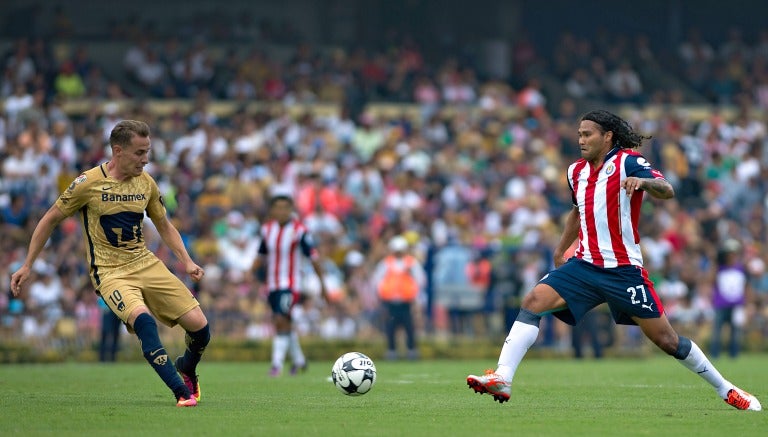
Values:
[(609, 169), (78, 180)]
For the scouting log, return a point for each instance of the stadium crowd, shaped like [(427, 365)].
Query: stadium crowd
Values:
[(477, 171)]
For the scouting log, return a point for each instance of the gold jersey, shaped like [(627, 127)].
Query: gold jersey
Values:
[(112, 213)]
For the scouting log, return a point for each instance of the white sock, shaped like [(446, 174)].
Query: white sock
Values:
[(280, 345), (297, 355), (521, 337), (698, 363)]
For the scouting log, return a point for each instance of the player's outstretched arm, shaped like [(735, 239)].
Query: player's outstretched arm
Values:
[(320, 274), (40, 235), (658, 188), (172, 239)]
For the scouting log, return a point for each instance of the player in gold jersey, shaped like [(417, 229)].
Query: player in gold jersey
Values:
[(112, 200)]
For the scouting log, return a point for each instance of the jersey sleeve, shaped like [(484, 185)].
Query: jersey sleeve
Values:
[(263, 250), (637, 166), (308, 246), (75, 196), (156, 205), (570, 185)]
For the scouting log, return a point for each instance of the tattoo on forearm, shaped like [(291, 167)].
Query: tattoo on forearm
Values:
[(658, 188)]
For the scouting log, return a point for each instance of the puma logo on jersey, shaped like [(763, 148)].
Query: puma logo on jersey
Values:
[(649, 306)]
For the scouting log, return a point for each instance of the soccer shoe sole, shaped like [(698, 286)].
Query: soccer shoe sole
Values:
[(479, 387)]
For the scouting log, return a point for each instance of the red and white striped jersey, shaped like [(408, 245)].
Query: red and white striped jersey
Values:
[(284, 247), (608, 235)]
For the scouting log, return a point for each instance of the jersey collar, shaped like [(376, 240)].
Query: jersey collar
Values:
[(610, 154)]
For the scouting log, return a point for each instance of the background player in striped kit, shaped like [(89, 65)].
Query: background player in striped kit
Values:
[(284, 242), (607, 186)]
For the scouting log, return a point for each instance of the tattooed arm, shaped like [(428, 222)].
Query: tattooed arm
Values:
[(658, 188)]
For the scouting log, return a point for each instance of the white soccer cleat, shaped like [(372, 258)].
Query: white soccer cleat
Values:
[(742, 400), (490, 383)]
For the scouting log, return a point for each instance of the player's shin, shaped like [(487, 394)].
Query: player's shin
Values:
[(280, 345), (297, 355), (521, 336), (690, 356), (155, 354)]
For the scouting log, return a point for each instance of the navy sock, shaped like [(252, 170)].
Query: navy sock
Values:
[(155, 354), (527, 317), (196, 343)]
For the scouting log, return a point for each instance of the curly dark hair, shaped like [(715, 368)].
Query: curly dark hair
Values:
[(624, 136)]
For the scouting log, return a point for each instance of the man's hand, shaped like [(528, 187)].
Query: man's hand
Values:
[(18, 279), (195, 271), (559, 260), (632, 184)]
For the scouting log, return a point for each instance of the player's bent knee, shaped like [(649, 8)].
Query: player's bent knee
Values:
[(193, 320), (684, 346), (136, 313), (201, 337), (543, 298)]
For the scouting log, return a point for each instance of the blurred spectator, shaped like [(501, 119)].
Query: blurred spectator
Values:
[(587, 327), (20, 64), (624, 85), (531, 97), (399, 279), (730, 291), (45, 291), (152, 75), (581, 85), (15, 106), (109, 342), (454, 292), (68, 83)]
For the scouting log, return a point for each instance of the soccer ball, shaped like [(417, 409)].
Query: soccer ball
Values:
[(354, 374)]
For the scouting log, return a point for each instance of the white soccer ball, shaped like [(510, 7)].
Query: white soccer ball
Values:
[(354, 374)]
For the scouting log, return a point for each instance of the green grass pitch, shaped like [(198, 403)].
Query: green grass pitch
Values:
[(558, 397)]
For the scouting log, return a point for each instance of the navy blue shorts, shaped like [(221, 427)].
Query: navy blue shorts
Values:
[(281, 301), (583, 285)]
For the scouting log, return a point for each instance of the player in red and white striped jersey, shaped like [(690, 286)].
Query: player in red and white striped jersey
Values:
[(285, 243), (607, 186)]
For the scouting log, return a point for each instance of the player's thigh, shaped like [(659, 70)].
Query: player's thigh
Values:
[(123, 296), (572, 285), (543, 298), (166, 296)]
